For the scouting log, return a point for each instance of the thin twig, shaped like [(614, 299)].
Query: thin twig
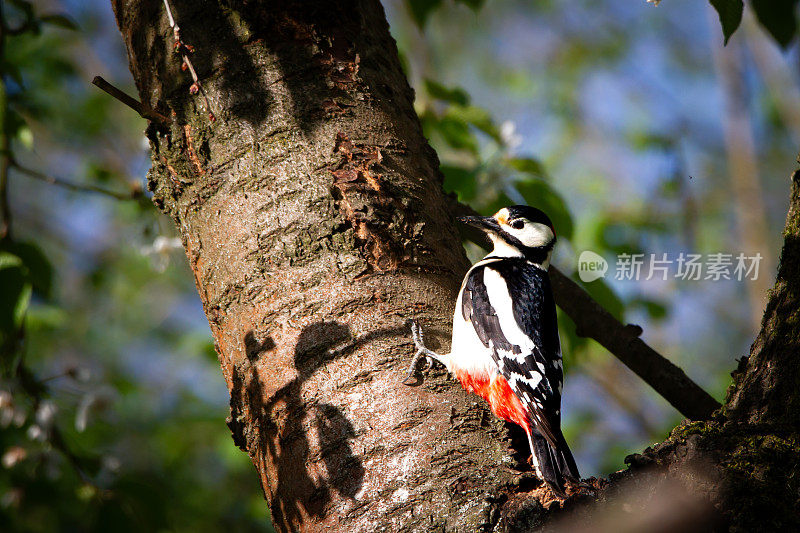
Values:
[(594, 321), (143, 110), (35, 174), (184, 50)]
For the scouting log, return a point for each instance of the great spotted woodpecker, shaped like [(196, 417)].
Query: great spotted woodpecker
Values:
[(505, 345)]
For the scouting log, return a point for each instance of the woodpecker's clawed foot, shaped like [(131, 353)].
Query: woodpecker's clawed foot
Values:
[(430, 356), (416, 335)]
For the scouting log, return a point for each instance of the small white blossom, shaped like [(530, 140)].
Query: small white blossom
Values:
[(9, 412), (13, 455), (45, 414), (36, 433), (82, 413), (111, 463), (160, 250), (6, 399), (91, 402), (508, 134), (7, 409)]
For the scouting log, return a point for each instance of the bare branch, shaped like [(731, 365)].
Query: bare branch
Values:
[(143, 110), (134, 193), (594, 321)]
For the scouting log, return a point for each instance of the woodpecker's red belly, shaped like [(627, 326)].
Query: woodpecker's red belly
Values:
[(502, 400)]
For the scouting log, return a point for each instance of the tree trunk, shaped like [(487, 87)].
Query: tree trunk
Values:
[(313, 217)]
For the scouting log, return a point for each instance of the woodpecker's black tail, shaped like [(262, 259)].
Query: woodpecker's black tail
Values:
[(553, 464)]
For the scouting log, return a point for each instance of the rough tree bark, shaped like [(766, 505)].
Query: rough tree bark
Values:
[(313, 218)]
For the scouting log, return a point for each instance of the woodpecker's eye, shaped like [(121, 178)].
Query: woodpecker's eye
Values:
[(518, 224)]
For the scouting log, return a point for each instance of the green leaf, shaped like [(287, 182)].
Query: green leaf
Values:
[(38, 270), (60, 20), (528, 165), (457, 134), (25, 137), (43, 316), (538, 193), (730, 15), (459, 180), (15, 295), (440, 92), (420, 10), (778, 18), (8, 260), (477, 117)]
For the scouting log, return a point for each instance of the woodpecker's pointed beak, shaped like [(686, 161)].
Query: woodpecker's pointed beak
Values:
[(486, 224)]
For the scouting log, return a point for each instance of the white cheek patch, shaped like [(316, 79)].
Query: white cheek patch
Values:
[(534, 234)]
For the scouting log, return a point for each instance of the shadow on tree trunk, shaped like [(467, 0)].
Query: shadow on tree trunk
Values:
[(291, 416)]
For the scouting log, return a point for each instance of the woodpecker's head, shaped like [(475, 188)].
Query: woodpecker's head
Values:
[(518, 231)]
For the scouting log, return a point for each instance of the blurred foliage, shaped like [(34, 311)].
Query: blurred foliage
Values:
[(111, 407), (111, 404)]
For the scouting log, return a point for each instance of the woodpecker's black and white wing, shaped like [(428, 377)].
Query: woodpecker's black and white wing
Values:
[(510, 305)]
